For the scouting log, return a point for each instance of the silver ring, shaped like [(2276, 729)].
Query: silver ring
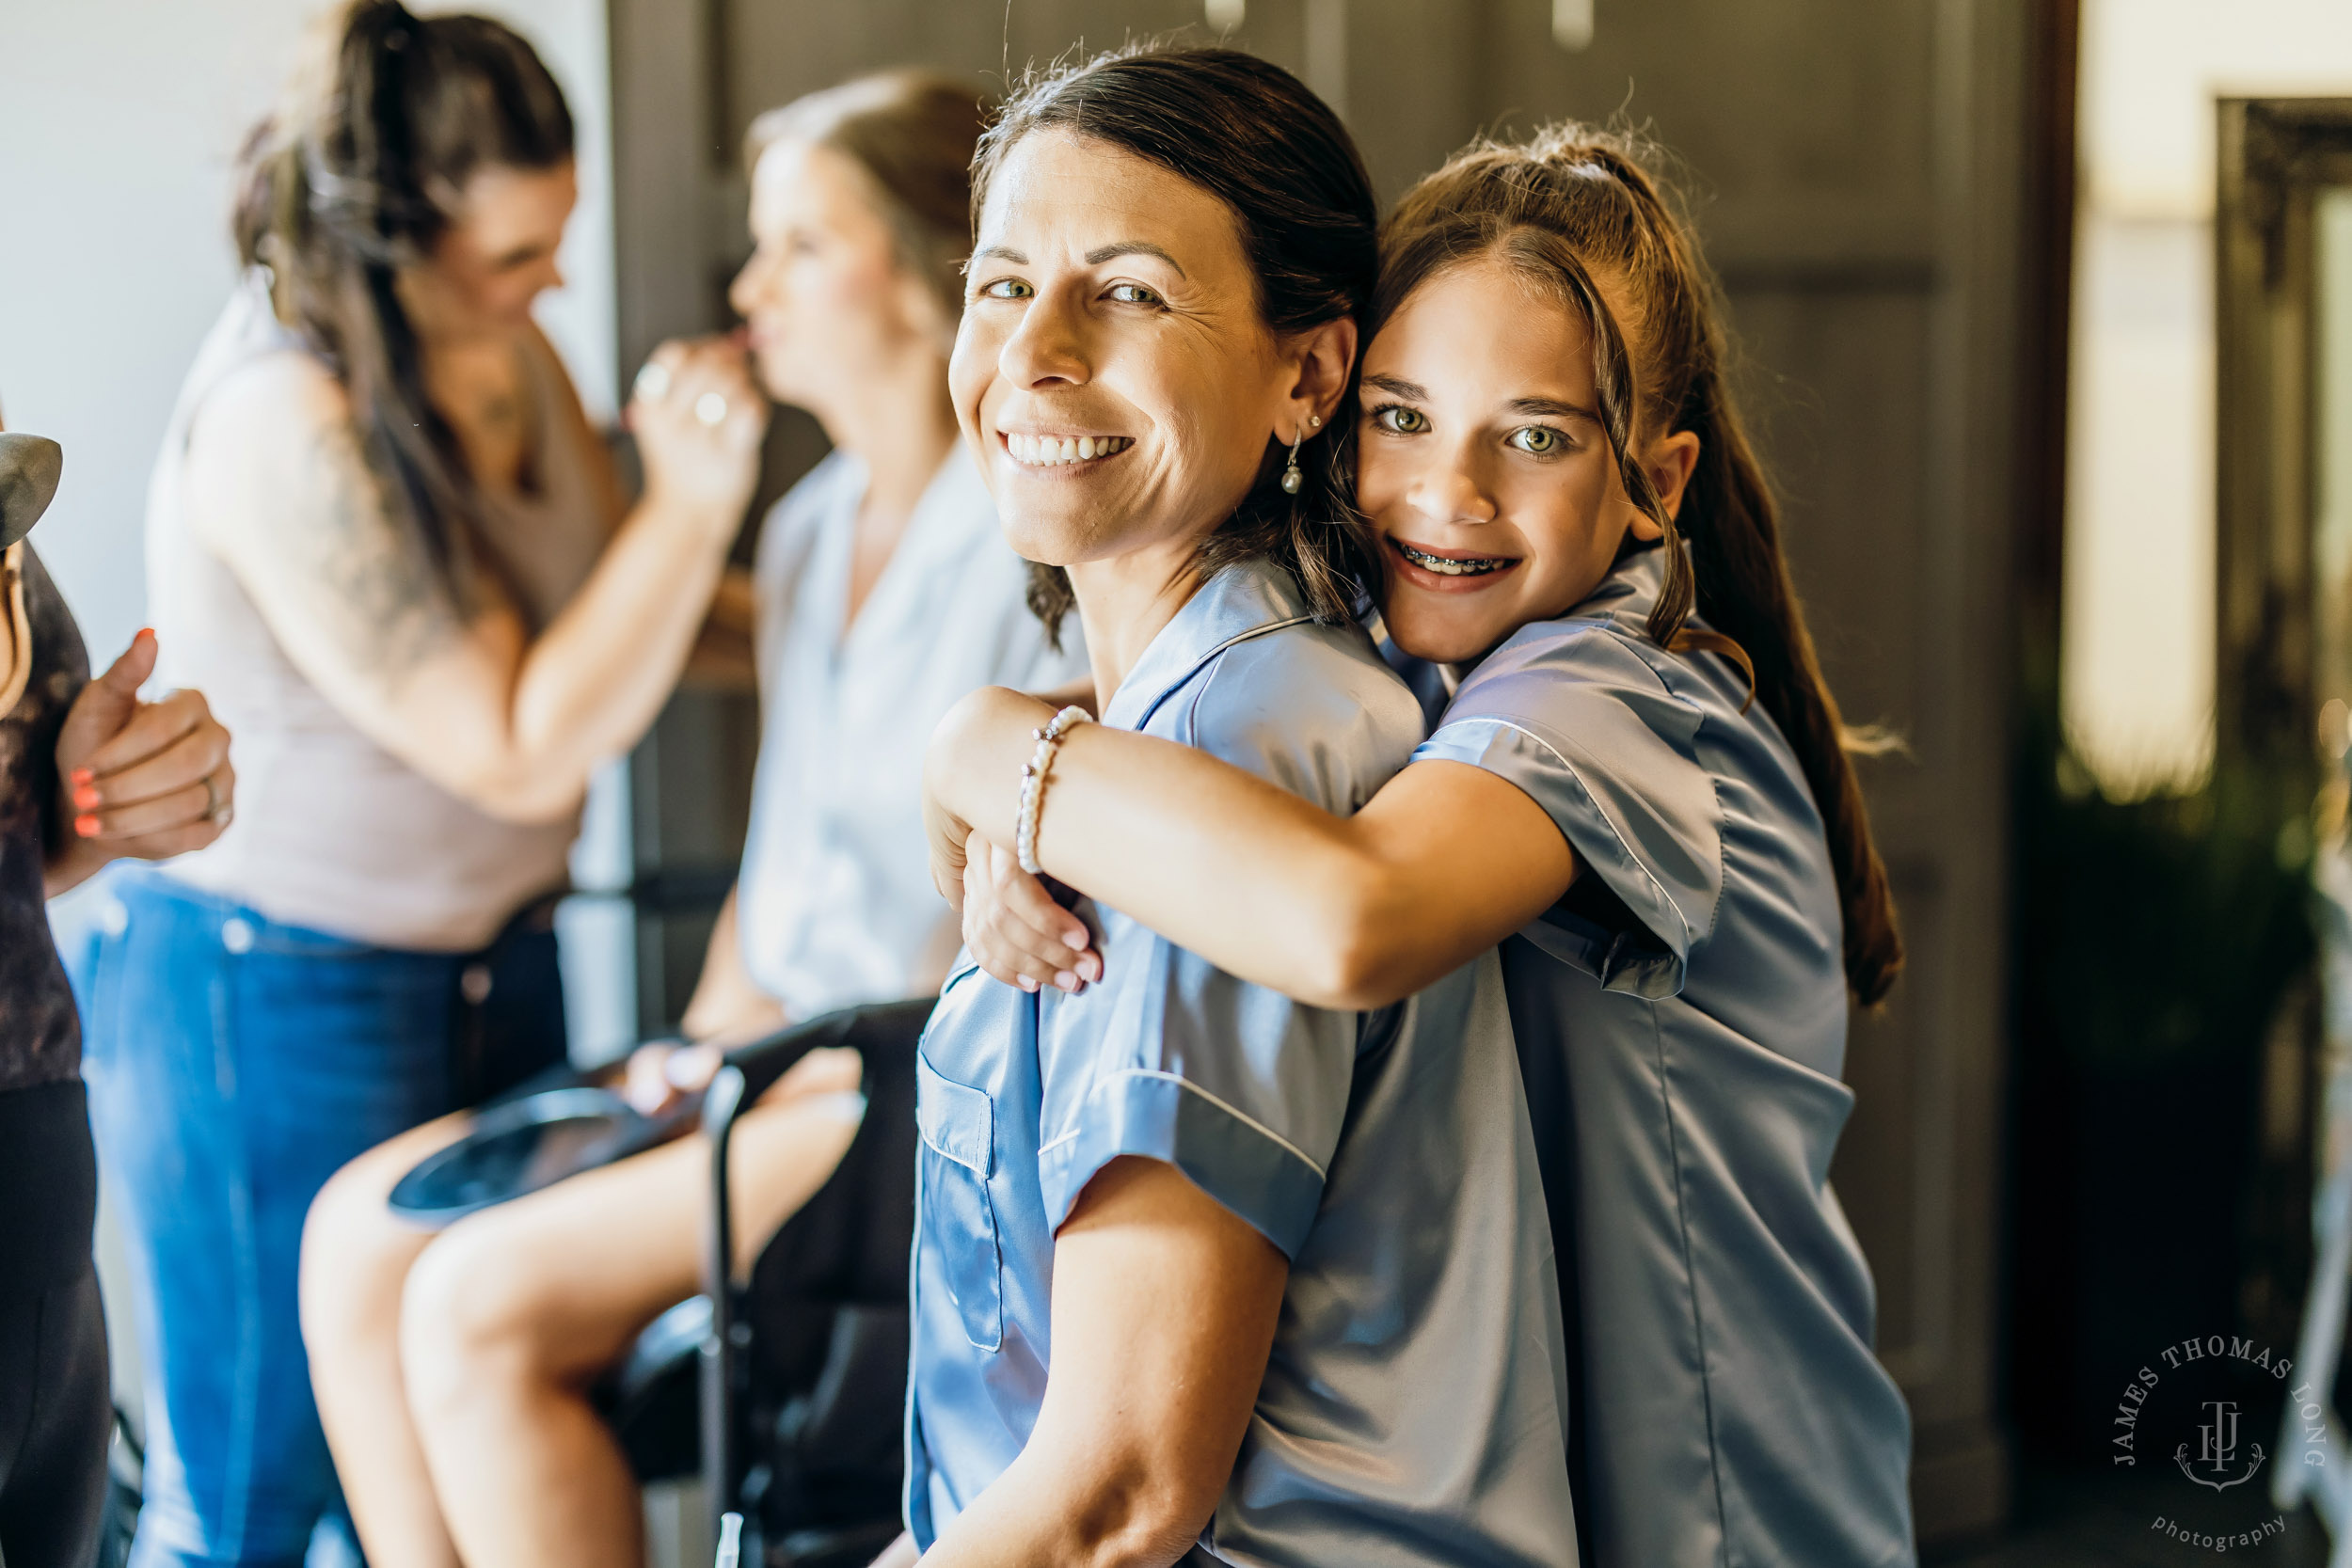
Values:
[(216, 804), (712, 408), (652, 383)]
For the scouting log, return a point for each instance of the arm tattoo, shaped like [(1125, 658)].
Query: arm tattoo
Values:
[(393, 604)]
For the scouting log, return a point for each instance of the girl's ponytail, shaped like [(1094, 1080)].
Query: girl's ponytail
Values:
[(1744, 593), (1570, 203)]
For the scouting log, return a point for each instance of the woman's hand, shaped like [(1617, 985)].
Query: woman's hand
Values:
[(141, 779), (698, 419), (1016, 930), (662, 1072)]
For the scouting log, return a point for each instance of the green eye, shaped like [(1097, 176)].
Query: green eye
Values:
[(1006, 288), (1132, 294), (1400, 421), (1538, 441)]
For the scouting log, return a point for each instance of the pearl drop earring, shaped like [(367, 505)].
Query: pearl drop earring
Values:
[(1291, 478)]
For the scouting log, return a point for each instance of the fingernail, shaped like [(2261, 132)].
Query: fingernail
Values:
[(1028, 985), (80, 775), (1090, 967), (1076, 940), (85, 797), (148, 632), (86, 826), (1065, 981)]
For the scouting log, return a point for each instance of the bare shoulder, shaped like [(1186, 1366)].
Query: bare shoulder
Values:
[(258, 429), (274, 395), (280, 489)]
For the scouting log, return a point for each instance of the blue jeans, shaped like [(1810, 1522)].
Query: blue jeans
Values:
[(236, 1064)]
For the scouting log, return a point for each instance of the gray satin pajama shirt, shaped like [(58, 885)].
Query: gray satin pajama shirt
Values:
[(1681, 1019)]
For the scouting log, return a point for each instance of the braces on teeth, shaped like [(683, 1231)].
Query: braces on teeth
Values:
[(1045, 451), (1444, 567)]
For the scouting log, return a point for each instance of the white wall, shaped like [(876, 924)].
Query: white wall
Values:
[(118, 119)]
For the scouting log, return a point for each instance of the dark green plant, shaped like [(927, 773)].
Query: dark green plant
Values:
[(2163, 929)]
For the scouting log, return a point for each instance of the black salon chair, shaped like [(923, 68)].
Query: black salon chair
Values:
[(788, 1392)]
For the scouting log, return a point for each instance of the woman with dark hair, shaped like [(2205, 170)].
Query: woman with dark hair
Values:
[(453, 1367), (1640, 786), (1200, 1272), (383, 533)]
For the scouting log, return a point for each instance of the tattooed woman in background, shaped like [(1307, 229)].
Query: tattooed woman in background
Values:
[(383, 534)]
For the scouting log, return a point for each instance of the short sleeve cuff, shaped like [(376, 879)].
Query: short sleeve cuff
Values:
[(1241, 1163), (1649, 962)]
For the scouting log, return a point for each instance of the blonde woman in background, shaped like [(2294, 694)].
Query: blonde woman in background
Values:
[(452, 1369)]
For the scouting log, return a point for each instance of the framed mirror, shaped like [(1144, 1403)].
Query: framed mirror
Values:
[(2283, 279)]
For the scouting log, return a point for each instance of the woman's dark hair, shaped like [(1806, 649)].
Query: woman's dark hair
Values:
[(351, 183), (1251, 135), (1558, 209), (913, 133)]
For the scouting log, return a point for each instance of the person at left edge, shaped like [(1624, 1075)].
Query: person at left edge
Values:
[(88, 773)]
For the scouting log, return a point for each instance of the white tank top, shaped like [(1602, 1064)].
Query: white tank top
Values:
[(332, 833)]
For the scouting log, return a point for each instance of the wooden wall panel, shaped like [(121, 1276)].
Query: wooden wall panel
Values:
[(1834, 381), (1805, 124)]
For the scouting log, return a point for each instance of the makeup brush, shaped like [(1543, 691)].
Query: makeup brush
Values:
[(29, 469)]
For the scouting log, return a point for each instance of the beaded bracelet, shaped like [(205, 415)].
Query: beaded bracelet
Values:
[(1033, 773)]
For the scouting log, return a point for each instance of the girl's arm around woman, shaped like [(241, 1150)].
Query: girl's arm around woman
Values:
[(1355, 912)]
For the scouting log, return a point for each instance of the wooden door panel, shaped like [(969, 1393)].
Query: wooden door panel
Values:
[(1805, 123), (1835, 381)]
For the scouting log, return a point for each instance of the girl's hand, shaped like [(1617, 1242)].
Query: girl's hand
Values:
[(945, 833), (141, 779), (698, 419), (973, 765), (1015, 929)]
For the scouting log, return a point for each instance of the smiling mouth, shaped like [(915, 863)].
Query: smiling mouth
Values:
[(1061, 451), (1453, 566)]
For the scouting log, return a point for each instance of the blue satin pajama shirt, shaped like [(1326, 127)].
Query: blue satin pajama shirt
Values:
[(1413, 1409)]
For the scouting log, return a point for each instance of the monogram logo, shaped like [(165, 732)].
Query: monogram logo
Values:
[(2217, 1449), (2205, 1401)]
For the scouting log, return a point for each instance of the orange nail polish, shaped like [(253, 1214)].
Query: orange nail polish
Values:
[(82, 775), (86, 826), (85, 797)]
